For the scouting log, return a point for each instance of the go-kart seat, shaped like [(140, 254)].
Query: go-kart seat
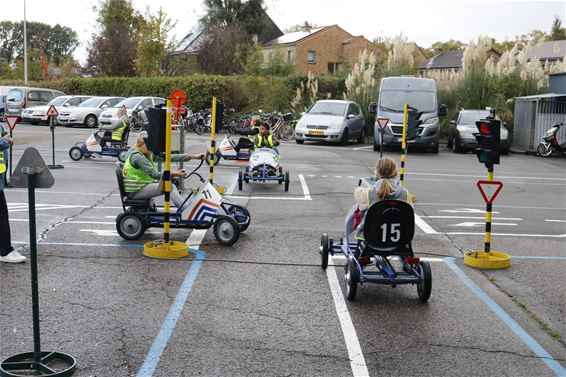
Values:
[(127, 202), (389, 229), (124, 140)]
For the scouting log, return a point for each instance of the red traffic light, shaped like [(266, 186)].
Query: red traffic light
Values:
[(484, 128)]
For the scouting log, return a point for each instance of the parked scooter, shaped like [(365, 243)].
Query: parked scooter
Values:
[(550, 142)]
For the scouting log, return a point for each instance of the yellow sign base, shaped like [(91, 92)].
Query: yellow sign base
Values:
[(160, 250), (491, 260), (413, 198)]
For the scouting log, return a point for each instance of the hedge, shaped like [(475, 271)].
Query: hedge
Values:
[(244, 93)]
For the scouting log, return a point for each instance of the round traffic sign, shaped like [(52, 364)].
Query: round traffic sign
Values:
[(178, 97)]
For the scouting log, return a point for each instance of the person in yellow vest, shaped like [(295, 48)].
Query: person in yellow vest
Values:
[(265, 139), (140, 174), (250, 132), (115, 130), (7, 252)]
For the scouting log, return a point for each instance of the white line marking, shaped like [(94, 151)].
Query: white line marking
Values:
[(474, 218), (464, 210), (357, 361), (361, 148), (195, 238), (483, 176), (337, 176), (232, 186), (470, 224), (305, 187), (555, 221), (507, 234), (265, 197), (424, 226)]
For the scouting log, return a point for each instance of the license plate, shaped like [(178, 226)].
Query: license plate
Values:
[(13, 110), (316, 132)]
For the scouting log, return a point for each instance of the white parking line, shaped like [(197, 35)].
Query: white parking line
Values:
[(357, 360), (306, 194), (507, 234), (424, 226), (554, 221), (474, 218)]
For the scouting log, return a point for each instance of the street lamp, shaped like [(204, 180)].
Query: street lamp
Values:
[(25, 47)]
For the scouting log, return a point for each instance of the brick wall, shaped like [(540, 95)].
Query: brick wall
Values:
[(327, 45)]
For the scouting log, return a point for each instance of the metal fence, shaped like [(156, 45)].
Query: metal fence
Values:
[(533, 117)]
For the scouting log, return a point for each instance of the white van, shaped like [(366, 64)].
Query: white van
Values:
[(418, 93)]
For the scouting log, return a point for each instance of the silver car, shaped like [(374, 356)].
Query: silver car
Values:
[(331, 120), (132, 104), (87, 113), (38, 114)]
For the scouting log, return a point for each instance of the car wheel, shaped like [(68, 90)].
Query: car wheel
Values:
[(90, 121), (362, 137), (345, 137), (434, 149), (456, 147)]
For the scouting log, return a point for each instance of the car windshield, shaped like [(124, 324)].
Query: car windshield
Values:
[(15, 95), (92, 102), (472, 117), (58, 101), (130, 103), (328, 108), (394, 100)]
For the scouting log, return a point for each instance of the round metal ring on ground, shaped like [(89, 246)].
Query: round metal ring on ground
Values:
[(491, 260), (52, 364)]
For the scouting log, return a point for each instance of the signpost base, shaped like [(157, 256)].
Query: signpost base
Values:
[(491, 260), (55, 166), (161, 250), (50, 364)]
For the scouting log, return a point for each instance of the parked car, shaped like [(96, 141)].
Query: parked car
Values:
[(463, 127), (137, 104), (20, 98), (38, 114), (418, 93), (3, 93), (332, 121), (87, 113)]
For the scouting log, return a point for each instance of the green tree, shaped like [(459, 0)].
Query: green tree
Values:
[(217, 51), (557, 32), (248, 16), (152, 43), (277, 64), (113, 50), (448, 45)]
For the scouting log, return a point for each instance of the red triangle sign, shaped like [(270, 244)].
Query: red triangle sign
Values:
[(52, 112), (12, 120), (382, 123), (489, 190)]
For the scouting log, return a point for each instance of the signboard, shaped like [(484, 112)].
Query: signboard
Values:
[(31, 162), (52, 112), (12, 121), (382, 123), (489, 190), (178, 98)]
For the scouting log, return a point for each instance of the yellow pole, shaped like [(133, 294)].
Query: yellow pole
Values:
[(212, 140), (404, 144), (488, 209), (167, 172)]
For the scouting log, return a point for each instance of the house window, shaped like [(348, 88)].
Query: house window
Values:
[(335, 67), (289, 56), (311, 57)]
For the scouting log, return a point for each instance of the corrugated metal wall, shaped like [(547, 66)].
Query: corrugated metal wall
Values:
[(533, 117)]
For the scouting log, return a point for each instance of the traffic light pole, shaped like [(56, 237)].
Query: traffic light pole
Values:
[(488, 209), (212, 140), (403, 144)]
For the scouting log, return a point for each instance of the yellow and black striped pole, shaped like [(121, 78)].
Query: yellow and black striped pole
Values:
[(212, 140), (488, 209), (404, 145)]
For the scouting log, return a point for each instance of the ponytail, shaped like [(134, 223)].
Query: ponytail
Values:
[(385, 189), (385, 169)]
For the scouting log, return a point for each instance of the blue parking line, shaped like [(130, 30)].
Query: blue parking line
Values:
[(160, 342), (537, 349)]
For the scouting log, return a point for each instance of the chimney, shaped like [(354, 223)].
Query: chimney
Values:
[(306, 27)]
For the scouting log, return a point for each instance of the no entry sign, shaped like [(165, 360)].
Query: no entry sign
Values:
[(489, 190)]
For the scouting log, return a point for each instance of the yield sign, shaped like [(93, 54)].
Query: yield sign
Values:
[(382, 123), (489, 190), (12, 120), (52, 112)]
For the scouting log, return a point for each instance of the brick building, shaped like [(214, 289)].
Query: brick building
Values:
[(321, 50)]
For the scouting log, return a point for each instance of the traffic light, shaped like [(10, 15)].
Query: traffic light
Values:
[(157, 119), (413, 123), (488, 141), (219, 116)]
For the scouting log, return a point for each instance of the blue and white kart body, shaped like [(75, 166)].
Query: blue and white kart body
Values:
[(264, 166), (227, 151), (91, 147)]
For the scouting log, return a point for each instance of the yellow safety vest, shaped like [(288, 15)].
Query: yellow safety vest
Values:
[(2, 163), (118, 132), (267, 142), (135, 179)]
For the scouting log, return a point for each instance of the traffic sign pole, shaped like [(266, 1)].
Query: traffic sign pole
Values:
[(404, 144), (488, 209), (12, 121), (382, 123), (51, 114)]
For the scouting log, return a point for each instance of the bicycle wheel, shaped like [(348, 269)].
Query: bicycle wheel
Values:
[(287, 132)]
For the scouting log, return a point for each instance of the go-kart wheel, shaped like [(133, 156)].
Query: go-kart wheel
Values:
[(351, 279), (286, 181), (216, 158), (424, 287), (122, 155), (76, 153), (130, 225), (240, 180), (324, 251), (280, 173), (226, 230), (240, 214)]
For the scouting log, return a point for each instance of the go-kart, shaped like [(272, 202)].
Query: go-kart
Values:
[(264, 167), (388, 232), (91, 147), (206, 208), (227, 151)]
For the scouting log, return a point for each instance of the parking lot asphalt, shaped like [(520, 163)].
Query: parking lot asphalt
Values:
[(264, 307)]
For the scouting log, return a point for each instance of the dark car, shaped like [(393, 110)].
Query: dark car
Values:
[(462, 128)]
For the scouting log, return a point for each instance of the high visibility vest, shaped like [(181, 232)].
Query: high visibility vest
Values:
[(251, 137), (118, 132), (2, 163), (135, 179), (264, 142)]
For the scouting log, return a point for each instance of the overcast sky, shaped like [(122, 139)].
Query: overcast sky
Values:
[(423, 22)]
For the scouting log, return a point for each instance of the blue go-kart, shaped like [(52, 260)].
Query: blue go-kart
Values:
[(91, 147), (206, 208), (385, 256), (264, 167)]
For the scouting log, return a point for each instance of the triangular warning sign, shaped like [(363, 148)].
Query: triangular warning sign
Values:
[(52, 112), (382, 123), (12, 120), (31, 163), (489, 190)]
